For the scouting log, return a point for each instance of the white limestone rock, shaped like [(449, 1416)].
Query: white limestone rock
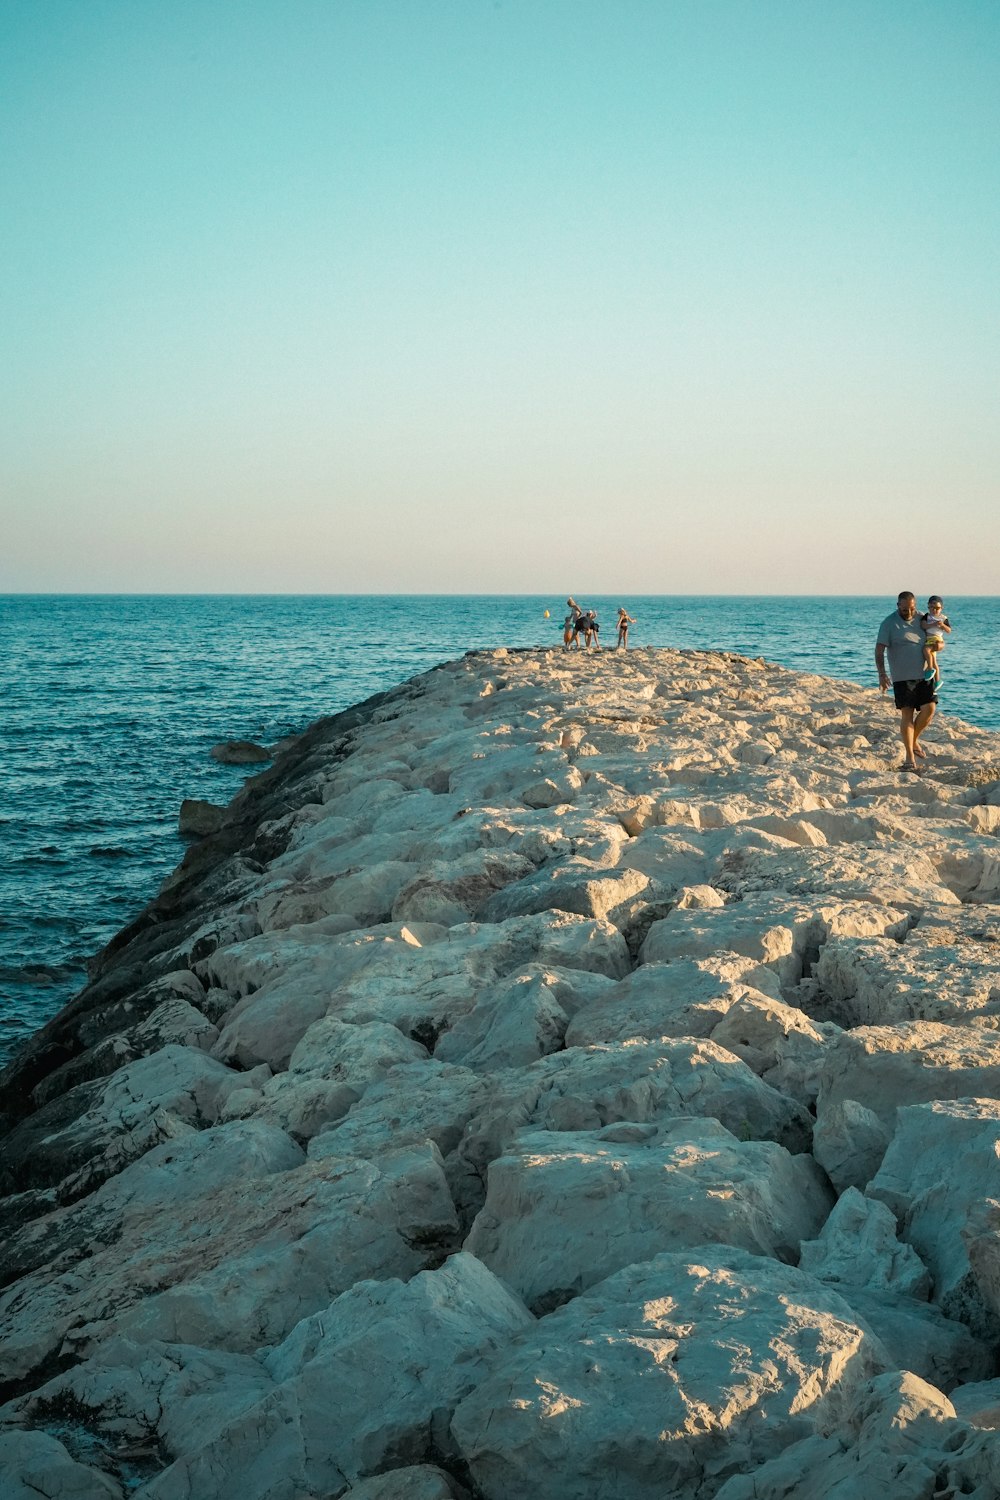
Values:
[(849, 1142), (453, 891), (901, 1439), (236, 1269), (120, 1118), (35, 1464), (687, 997), (329, 1071), (431, 1101), (503, 777), (512, 1023), (587, 1088), (671, 1375), (301, 1106), (899, 875), (780, 1044), (918, 1336), (192, 1166), (978, 1403), (418, 979), (771, 927), (884, 1067), (941, 1168), (858, 1247), (699, 898), (175, 1021), (577, 886), (671, 860), (351, 1053), (553, 791), (176, 1396), (564, 1210), (389, 1361), (878, 983)]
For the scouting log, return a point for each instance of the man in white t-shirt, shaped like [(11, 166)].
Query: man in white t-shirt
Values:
[(902, 636)]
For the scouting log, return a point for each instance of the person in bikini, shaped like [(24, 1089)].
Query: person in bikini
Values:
[(624, 621), (901, 636)]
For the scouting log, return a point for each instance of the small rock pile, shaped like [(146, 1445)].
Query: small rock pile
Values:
[(563, 1076)]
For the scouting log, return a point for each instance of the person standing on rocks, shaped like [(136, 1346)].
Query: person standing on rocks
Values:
[(624, 621), (901, 635), (570, 636)]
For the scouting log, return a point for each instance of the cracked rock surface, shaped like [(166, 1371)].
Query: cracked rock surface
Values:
[(566, 1075)]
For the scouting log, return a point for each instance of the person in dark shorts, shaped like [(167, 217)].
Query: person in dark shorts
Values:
[(902, 638), (570, 635)]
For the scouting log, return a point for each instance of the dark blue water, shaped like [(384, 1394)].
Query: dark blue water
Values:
[(109, 707)]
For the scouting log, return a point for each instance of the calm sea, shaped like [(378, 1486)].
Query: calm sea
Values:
[(110, 705)]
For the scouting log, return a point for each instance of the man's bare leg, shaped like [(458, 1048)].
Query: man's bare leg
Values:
[(907, 735), (920, 723)]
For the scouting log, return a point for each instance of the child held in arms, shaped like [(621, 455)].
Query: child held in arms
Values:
[(936, 626)]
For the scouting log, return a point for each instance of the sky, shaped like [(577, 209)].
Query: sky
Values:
[(660, 296)]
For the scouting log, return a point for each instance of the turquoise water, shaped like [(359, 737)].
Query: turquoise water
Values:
[(110, 706)]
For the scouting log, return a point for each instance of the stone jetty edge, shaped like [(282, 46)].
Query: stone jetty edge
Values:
[(563, 1074)]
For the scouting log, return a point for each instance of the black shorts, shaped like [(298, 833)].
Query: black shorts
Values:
[(914, 693)]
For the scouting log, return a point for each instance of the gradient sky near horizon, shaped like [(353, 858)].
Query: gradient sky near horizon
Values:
[(460, 296)]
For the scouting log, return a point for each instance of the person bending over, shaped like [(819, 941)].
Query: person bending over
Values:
[(901, 637), (570, 636)]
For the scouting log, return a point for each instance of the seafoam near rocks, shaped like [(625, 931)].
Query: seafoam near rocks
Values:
[(566, 1075)]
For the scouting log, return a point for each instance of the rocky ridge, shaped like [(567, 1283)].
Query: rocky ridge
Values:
[(565, 1075)]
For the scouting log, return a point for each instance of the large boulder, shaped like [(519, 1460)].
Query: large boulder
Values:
[(587, 1088), (575, 886), (418, 978), (564, 1210), (939, 1174), (368, 1385), (884, 1067), (35, 1463), (900, 1439), (772, 927), (858, 1247), (687, 997), (153, 1398), (780, 1044), (849, 1142), (892, 875), (240, 1267), (194, 1165), (878, 983), (670, 1375), (95, 1130)]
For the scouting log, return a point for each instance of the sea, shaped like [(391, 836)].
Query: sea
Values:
[(110, 706)]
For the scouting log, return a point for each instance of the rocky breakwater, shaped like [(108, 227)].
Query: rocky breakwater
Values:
[(562, 1076)]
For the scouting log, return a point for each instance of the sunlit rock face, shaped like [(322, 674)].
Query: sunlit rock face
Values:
[(565, 1075)]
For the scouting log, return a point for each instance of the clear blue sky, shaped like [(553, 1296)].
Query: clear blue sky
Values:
[(648, 295)]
